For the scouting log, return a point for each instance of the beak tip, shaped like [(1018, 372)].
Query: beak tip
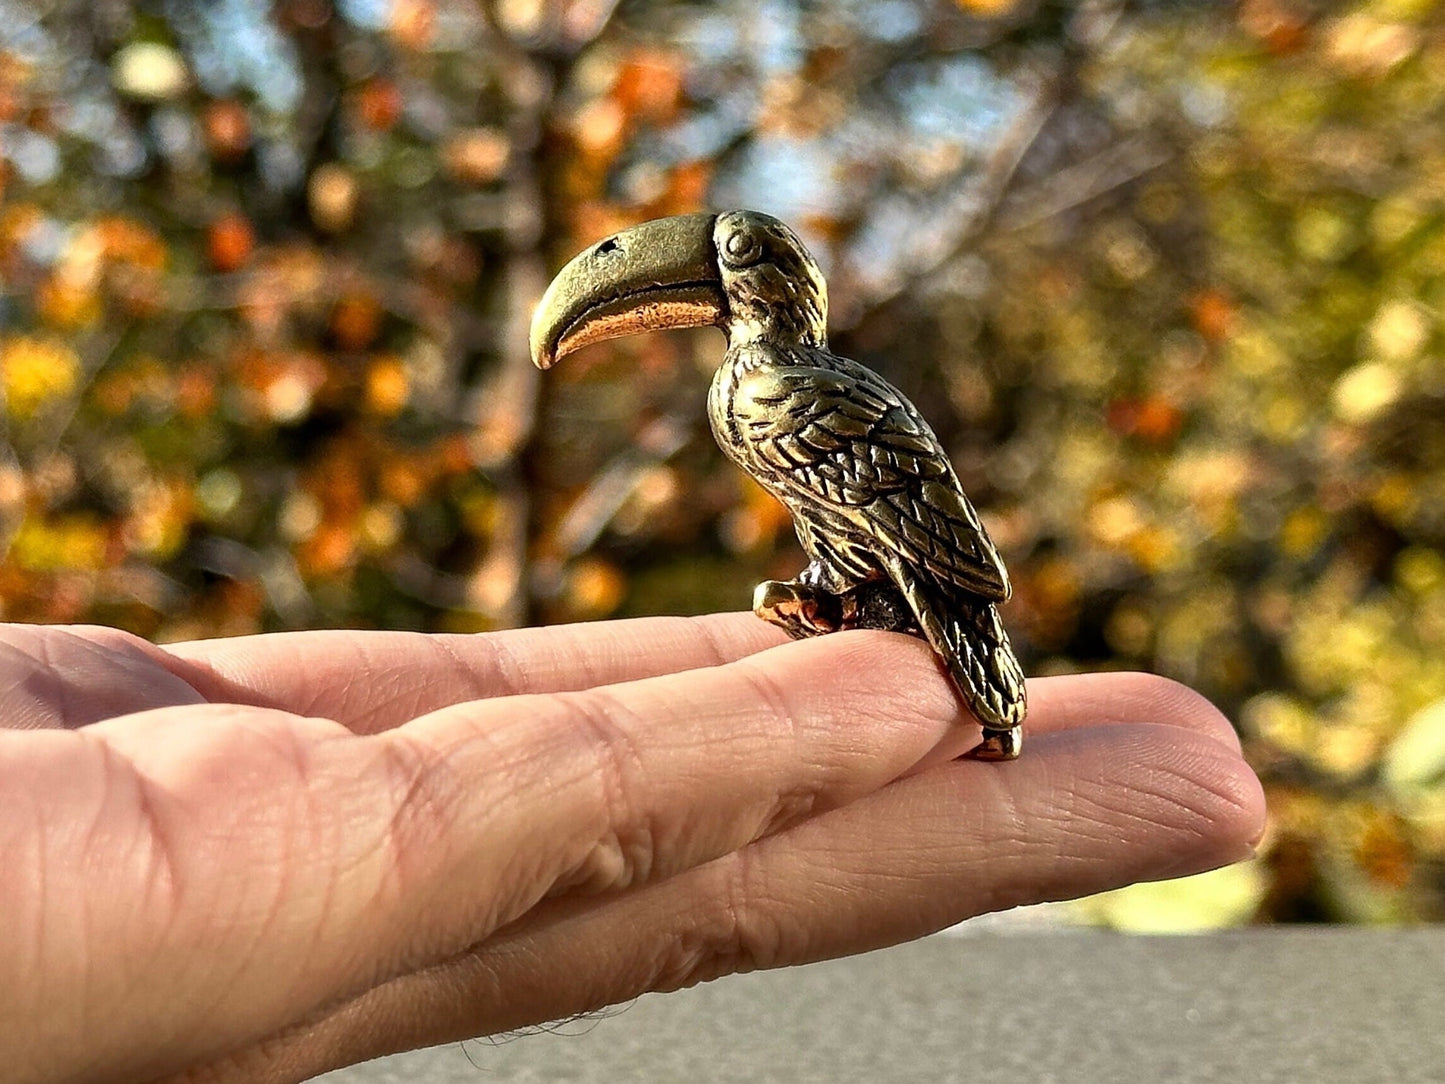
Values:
[(543, 350)]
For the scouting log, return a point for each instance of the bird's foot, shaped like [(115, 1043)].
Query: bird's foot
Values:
[(878, 604), (805, 609), (797, 608), (998, 745)]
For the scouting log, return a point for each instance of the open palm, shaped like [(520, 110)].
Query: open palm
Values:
[(260, 858)]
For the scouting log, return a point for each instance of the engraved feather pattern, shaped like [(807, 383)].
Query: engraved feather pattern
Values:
[(874, 495)]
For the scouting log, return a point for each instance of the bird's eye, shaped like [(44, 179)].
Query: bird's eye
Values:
[(742, 248)]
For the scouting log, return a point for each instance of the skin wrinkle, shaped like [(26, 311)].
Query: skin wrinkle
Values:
[(1153, 783), (315, 786), (87, 693), (39, 977), (426, 792), (797, 803), (120, 785), (360, 983), (709, 637), (588, 664), (372, 710), (503, 670), (365, 660), (747, 939), (620, 854), (279, 748), (792, 804), (1190, 784), (59, 691), (268, 918), (527, 868), (33, 683), (632, 876)]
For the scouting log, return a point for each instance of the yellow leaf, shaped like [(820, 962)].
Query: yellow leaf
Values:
[(987, 9), (34, 371), (67, 543), (1208, 901), (1416, 758)]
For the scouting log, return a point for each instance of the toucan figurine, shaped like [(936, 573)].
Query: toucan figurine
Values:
[(892, 541)]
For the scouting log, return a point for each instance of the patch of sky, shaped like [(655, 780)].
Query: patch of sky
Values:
[(281, 165), (35, 157), (958, 98), (45, 241), (233, 44), (885, 20), (366, 14), (703, 134), (90, 117), (1205, 103), (20, 29), (120, 154), (877, 246), (784, 176), (710, 37), (765, 33), (174, 133)]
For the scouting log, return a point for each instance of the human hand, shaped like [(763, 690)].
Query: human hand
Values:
[(260, 858)]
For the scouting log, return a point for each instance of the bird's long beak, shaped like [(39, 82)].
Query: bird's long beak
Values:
[(661, 274)]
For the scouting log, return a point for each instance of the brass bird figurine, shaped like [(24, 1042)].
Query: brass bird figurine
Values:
[(892, 541)]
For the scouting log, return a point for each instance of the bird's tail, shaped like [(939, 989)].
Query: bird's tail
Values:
[(966, 632)]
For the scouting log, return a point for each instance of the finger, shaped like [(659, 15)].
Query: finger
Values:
[(1086, 809), (1091, 810), (1074, 700), (305, 862), (371, 681), (71, 676), (1058, 703)]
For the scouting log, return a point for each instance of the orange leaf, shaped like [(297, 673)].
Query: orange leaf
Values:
[(387, 386), (356, 321), (230, 242), (649, 86), (378, 104), (1213, 313), (227, 129), (413, 22)]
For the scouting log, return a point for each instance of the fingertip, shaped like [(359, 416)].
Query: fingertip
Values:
[(1240, 810), (1201, 792), (1074, 700)]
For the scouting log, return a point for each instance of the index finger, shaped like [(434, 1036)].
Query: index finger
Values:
[(374, 681)]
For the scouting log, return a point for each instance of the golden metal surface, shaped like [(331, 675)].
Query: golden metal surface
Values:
[(893, 542)]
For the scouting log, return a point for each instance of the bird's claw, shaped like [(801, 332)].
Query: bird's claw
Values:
[(803, 609), (798, 609), (998, 745)]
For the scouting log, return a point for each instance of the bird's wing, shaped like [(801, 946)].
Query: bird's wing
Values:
[(852, 441)]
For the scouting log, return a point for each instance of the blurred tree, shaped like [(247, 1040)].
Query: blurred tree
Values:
[(1168, 278)]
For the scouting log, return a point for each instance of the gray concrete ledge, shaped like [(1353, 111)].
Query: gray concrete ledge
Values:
[(1288, 1005)]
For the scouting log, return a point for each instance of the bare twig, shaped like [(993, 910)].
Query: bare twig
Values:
[(972, 212), (1103, 172), (610, 488)]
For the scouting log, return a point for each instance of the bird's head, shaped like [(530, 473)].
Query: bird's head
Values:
[(742, 271)]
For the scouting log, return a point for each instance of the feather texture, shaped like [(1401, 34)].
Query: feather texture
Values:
[(873, 495)]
